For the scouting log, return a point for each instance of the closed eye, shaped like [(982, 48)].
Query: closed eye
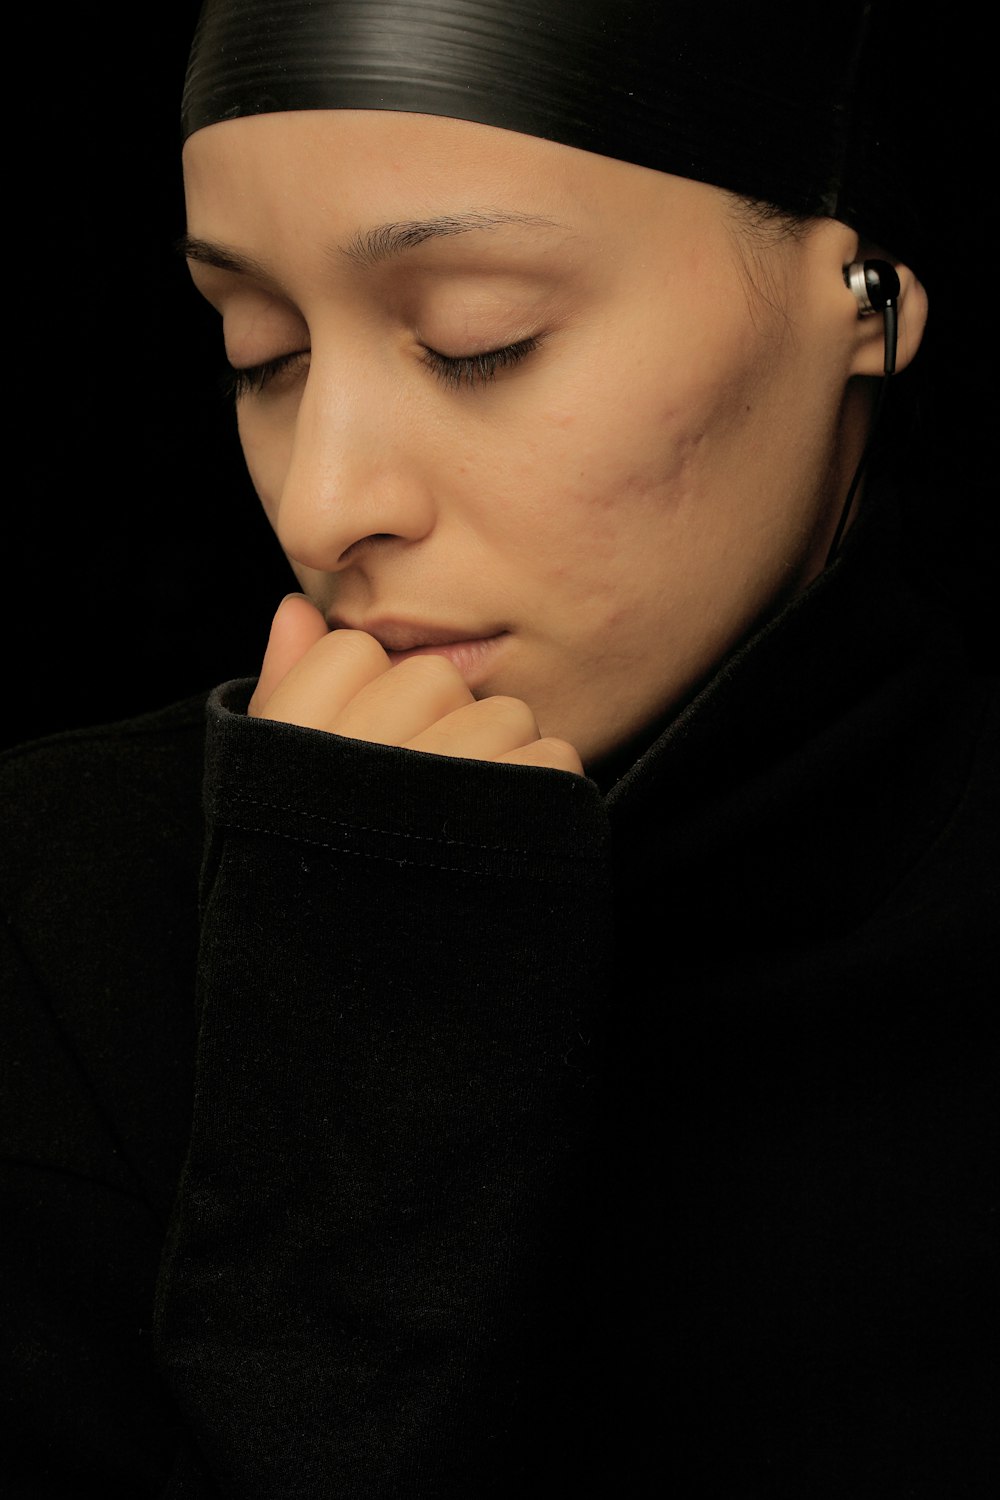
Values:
[(251, 380), (454, 370), (477, 369)]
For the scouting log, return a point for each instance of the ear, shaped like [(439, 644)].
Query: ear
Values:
[(911, 306)]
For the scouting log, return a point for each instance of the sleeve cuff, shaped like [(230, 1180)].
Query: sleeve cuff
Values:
[(402, 806)]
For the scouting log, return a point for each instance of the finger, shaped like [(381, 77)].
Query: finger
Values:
[(401, 704), (319, 687), (297, 626), (480, 731), (558, 755)]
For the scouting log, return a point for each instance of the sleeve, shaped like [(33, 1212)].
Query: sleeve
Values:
[(401, 969)]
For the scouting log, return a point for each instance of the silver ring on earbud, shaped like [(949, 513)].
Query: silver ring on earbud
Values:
[(854, 275)]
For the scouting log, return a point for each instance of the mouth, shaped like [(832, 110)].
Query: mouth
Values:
[(471, 650)]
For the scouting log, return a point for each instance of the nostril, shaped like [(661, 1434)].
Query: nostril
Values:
[(365, 542)]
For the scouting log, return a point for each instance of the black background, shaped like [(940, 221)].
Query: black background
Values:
[(138, 567), (141, 568)]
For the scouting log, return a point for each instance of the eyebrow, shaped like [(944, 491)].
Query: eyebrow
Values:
[(369, 246), (208, 254)]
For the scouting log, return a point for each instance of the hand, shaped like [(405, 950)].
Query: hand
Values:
[(343, 682)]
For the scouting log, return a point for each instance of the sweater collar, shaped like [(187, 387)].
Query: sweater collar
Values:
[(794, 787), (795, 674)]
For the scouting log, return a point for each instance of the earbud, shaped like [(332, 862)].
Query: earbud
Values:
[(876, 287), (874, 284)]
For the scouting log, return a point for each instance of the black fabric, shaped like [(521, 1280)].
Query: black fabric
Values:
[(482, 1133), (772, 105)]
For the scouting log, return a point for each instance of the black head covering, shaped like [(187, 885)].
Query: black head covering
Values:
[(769, 101)]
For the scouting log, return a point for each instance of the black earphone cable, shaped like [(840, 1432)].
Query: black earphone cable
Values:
[(882, 286)]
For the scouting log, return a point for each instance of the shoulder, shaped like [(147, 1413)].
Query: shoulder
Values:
[(60, 764), (101, 831), (120, 796), (106, 743)]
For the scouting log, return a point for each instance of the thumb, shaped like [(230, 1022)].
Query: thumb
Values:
[(296, 627)]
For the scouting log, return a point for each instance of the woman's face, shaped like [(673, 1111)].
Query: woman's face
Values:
[(655, 457)]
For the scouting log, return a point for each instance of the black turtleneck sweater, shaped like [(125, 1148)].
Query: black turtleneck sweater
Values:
[(478, 1132)]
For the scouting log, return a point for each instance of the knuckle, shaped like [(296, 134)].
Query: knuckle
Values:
[(562, 756), (514, 714), (356, 646), (432, 671)]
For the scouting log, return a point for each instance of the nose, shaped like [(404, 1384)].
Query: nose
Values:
[(356, 472)]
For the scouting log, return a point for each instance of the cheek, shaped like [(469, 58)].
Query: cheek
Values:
[(580, 511), (267, 449), (638, 438), (623, 500), (599, 472)]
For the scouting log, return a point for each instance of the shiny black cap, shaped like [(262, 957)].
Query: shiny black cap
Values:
[(761, 100)]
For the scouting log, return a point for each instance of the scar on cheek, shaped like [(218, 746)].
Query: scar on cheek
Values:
[(561, 419)]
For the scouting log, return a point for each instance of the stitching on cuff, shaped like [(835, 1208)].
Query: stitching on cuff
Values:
[(390, 859), (423, 838)]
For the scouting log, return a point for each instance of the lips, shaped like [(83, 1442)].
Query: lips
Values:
[(396, 636), (468, 648)]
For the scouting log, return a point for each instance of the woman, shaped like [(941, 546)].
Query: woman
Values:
[(583, 1094)]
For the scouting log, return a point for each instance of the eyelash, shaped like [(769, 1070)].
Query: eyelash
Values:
[(477, 369), (253, 379), (466, 370)]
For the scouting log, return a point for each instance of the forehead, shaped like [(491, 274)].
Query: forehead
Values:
[(352, 167), (366, 150)]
